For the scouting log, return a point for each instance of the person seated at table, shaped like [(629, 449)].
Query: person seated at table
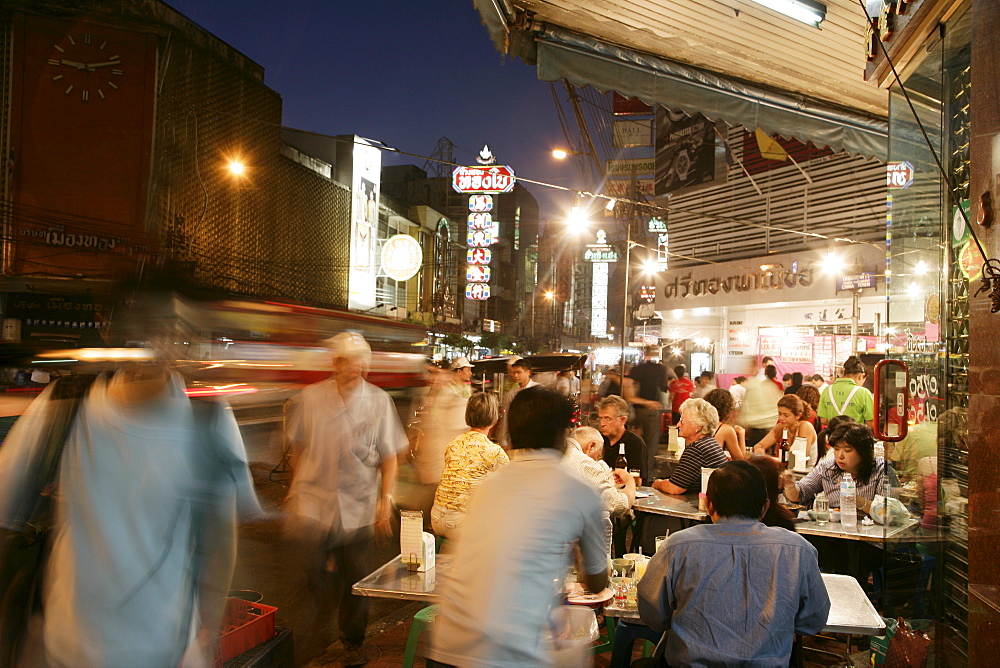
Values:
[(791, 425), (522, 524), (716, 592), (854, 453), (730, 435), (467, 460), (810, 397), (612, 415), (776, 514), (824, 448), (584, 452), (699, 420)]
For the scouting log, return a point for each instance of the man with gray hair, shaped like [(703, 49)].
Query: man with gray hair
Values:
[(345, 435), (584, 452)]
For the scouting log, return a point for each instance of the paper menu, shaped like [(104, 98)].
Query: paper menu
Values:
[(415, 547), (706, 473)]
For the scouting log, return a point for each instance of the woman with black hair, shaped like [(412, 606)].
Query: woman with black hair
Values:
[(854, 453), (776, 514)]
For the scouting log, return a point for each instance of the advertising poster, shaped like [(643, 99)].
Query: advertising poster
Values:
[(688, 152), (365, 182)]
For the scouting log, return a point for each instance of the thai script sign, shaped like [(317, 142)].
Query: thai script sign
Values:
[(483, 179), (683, 286)]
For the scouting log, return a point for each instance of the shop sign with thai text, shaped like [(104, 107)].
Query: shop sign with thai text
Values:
[(684, 286), (484, 179)]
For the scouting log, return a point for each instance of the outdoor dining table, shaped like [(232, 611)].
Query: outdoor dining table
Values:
[(850, 610), (683, 507)]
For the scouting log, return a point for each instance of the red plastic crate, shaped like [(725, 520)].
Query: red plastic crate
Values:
[(244, 626)]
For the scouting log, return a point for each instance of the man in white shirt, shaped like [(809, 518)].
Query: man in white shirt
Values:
[(739, 390), (520, 532), (345, 437), (520, 372), (584, 455)]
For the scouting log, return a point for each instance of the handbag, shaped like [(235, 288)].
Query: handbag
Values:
[(907, 648), (24, 551)]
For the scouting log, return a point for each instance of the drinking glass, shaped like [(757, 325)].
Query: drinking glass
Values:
[(659, 541), (822, 509)]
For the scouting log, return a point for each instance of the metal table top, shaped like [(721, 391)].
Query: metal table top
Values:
[(685, 507), (850, 609), (876, 532), (393, 581)]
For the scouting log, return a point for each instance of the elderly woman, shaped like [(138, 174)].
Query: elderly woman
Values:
[(698, 422), (730, 435), (467, 460), (854, 453)]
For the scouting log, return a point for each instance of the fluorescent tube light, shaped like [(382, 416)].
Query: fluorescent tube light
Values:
[(807, 11)]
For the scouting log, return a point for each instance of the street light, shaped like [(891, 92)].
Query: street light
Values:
[(563, 153)]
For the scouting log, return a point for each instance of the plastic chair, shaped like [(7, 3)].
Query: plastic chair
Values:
[(626, 634), (421, 622)]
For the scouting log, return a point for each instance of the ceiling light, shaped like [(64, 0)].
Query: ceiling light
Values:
[(807, 11)]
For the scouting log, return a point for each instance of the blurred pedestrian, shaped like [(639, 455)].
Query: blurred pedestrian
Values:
[(443, 420), (345, 435), (467, 460), (704, 383), (810, 396), (495, 606), (149, 490), (649, 381), (730, 435), (793, 387), (680, 388), (817, 381), (739, 390), (760, 406)]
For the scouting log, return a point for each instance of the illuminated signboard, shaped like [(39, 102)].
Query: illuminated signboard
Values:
[(477, 273), (480, 238), (647, 293), (655, 224), (480, 221), (478, 256), (599, 300), (484, 179), (477, 291), (662, 254), (898, 174), (366, 169), (601, 251), (481, 203), (401, 257)]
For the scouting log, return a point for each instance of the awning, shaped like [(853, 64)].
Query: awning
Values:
[(559, 53)]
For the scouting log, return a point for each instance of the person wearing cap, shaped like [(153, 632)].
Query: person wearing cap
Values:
[(344, 437)]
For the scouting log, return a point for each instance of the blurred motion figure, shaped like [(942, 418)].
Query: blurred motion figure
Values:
[(345, 436), (149, 488)]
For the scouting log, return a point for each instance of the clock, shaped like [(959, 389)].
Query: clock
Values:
[(85, 67)]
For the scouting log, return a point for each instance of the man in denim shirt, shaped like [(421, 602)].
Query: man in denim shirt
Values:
[(733, 592)]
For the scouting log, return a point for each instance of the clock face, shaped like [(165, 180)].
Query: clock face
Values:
[(86, 67)]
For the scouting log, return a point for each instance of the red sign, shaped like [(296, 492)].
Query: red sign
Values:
[(898, 174), (480, 221), (629, 106), (477, 273), (484, 179), (478, 291), (480, 203), (478, 256), (480, 238)]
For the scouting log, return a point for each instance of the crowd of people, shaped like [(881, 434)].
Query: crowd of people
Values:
[(514, 489)]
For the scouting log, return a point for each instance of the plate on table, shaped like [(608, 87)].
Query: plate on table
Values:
[(582, 597)]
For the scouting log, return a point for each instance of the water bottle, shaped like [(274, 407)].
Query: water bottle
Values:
[(848, 502)]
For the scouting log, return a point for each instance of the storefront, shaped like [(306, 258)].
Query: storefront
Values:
[(797, 308)]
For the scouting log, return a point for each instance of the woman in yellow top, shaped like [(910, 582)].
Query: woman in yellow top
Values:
[(467, 460)]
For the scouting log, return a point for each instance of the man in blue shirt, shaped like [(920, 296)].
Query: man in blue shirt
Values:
[(733, 592)]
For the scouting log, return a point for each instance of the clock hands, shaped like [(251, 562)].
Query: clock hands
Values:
[(73, 63), (91, 66)]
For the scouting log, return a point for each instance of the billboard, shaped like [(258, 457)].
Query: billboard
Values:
[(366, 168), (689, 152)]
